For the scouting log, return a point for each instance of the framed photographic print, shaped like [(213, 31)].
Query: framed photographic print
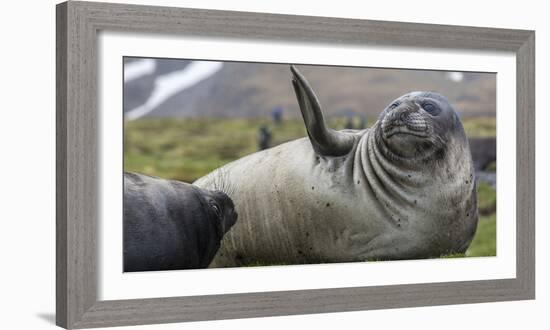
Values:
[(215, 164)]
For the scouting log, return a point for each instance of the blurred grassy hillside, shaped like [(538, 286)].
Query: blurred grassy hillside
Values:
[(187, 149), (254, 89)]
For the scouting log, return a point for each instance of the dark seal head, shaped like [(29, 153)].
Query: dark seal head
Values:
[(221, 208), (171, 224)]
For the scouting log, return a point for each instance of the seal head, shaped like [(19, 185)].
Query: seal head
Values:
[(220, 208), (418, 126)]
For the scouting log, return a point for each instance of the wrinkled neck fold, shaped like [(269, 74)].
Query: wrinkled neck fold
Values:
[(394, 180)]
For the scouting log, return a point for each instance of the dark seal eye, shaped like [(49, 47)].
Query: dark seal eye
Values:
[(431, 108), (394, 105), (216, 208)]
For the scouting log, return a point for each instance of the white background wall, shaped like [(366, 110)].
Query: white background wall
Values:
[(27, 163)]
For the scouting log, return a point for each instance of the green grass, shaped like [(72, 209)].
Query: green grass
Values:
[(484, 243), (187, 149), (485, 240), (480, 126), (486, 199)]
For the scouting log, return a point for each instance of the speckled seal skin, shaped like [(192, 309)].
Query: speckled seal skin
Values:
[(402, 189)]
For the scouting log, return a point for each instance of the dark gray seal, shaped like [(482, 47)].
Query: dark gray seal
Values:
[(172, 225), (402, 189)]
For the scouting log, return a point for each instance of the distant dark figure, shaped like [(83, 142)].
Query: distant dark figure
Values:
[(363, 122), (349, 123), (264, 138), (277, 114), (172, 225), (484, 152)]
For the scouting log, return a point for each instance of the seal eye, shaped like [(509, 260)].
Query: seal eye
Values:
[(430, 108), (394, 105), (216, 208)]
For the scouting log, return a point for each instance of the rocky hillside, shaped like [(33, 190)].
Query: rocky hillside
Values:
[(254, 89)]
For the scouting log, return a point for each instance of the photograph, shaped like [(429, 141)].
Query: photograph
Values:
[(244, 164)]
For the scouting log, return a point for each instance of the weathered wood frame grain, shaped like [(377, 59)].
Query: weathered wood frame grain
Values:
[(78, 24)]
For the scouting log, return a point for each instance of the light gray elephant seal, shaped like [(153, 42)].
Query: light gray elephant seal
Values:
[(399, 190), (170, 225)]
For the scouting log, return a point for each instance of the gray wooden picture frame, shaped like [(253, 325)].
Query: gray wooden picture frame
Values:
[(78, 24)]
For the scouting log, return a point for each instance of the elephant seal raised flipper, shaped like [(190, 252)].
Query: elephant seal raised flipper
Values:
[(402, 189), (171, 224)]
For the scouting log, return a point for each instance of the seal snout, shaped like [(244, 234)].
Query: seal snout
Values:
[(404, 119), (230, 211), (233, 218)]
